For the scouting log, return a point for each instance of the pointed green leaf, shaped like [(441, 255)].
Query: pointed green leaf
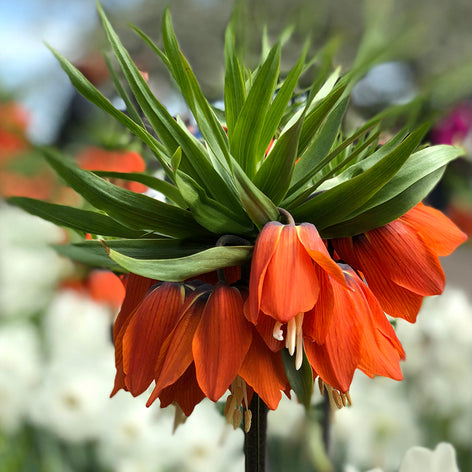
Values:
[(132, 209), (75, 218), (301, 195), (161, 54), (169, 190), (311, 160), (275, 173), (247, 132), (208, 124), (410, 185), (195, 160), (332, 206), (258, 206), (94, 254), (279, 104), (318, 113), (208, 212), (235, 87), (181, 268), (300, 380), (93, 95), (133, 113), (388, 211)]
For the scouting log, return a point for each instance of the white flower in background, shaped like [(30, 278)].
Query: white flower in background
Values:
[(20, 371), (136, 438), (199, 446), (133, 437), (289, 416), (74, 323), (29, 269), (381, 424), (76, 384), (421, 459), (72, 397), (437, 353)]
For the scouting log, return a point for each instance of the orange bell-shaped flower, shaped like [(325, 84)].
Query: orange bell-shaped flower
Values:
[(283, 280), (400, 260)]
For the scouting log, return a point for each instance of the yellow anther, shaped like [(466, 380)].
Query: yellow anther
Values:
[(247, 420), (228, 404), (237, 417)]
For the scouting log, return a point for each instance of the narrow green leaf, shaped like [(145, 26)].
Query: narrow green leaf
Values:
[(195, 160), (331, 207), (235, 88), (94, 254), (133, 113), (209, 126), (300, 380), (279, 104), (317, 114), (170, 191), (93, 95), (161, 54), (312, 159), (207, 211), (301, 195), (401, 192), (176, 159), (132, 209), (181, 268), (366, 163), (247, 131), (275, 173), (258, 206), (388, 211), (75, 218)]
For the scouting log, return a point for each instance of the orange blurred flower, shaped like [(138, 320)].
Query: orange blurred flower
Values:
[(400, 260), (95, 158)]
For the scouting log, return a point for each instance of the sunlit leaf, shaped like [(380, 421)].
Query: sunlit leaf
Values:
[(181, 268)]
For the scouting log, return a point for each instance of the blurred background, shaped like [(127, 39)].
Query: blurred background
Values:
[(56, 355)]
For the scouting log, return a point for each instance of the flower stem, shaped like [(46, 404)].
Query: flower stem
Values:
[(287, 216), (255, 439)]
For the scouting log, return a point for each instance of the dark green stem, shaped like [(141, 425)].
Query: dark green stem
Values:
[(255, 440)]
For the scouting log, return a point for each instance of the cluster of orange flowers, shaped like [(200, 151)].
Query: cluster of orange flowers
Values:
[(325, 300)]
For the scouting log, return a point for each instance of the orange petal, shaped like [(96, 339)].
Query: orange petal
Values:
[(265, 327), (263, 250), (395, 300), (185, 392), (136, 288), (264, 371), (397, 253), (381, 350), (151, 323), (290, 285), (221, 341), (176, 352), (317, 321), (314, 245), (336, 360), (437, 231)]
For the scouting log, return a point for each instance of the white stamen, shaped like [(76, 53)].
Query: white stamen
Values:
[(299, 355), (277, 333), (290, 340)]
